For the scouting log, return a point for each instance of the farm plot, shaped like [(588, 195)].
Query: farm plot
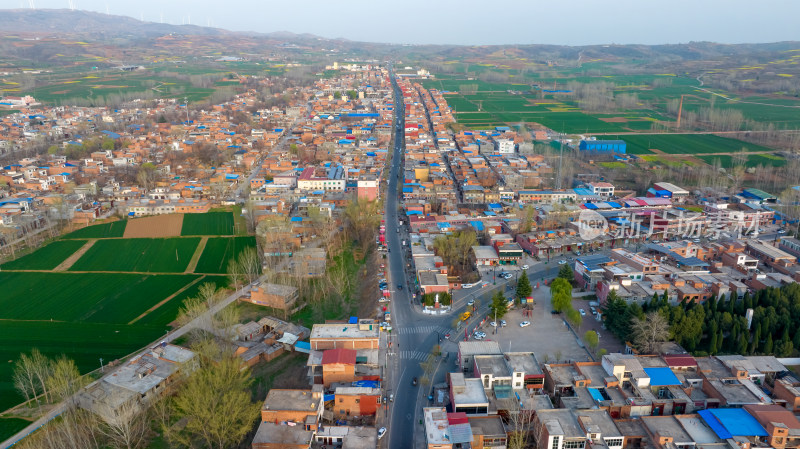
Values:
[(154, 226), (86, 343), (687, 144), (86, 297), (168, 311), (47, 257), (726, 161), (10, 426), (138, 255), (219, 251), (210, 223), (101, 231)]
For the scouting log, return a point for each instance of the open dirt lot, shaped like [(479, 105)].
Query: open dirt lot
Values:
[(154, 226)]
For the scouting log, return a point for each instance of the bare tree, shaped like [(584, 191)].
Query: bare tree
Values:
[(24, 378), (196, 307), (224, 322), (249, 264), (650, 332), (235, 274), (125, 426), (146, 176), (41, 367), (519, 426)]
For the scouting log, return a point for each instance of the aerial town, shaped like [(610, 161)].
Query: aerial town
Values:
[(348, 262)]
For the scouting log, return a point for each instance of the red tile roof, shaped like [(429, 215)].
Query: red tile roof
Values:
[(675, 361), (340, 356)]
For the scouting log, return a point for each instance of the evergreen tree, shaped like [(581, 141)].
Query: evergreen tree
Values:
[(720, 339), (711, 304), (742, 344), (565, 272), (523, 287), (767, 349), (498, 306), (653, 305), (733, 339), (764, 324), (712, 344), (756, 341), (796, 339)]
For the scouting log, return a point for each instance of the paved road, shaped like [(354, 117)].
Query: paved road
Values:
[(415, 334)]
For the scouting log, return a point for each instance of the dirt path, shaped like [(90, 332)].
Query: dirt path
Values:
[(196, 256), (166, 300), (65, 265)]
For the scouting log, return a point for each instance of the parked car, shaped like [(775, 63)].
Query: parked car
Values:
[(382, 431), (554, 312), (493, 324), (583, 312), (525, 324), (503, 323)]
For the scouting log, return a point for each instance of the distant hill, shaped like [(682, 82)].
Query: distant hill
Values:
[(56, 21), (129, 39)]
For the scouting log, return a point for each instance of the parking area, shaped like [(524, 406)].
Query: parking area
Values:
[(607, 341), (547, 336)]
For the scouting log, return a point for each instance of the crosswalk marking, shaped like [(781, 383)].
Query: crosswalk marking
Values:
[(414, 355), (421, 330)]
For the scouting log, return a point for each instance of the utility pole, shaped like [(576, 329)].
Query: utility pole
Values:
[(560, 161)]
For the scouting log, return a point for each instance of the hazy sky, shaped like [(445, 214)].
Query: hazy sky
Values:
[(470, 22)]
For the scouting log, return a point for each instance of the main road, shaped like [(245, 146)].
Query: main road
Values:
[(415, 333)]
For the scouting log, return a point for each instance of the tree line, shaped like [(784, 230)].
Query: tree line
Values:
[(716, 326)]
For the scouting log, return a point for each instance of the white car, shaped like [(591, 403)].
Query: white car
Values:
[(583, 312), (525, 324), (525, 267), (381, 432), (470, 302), (562, 262), (781, 231), (503, 323), (493, 324)]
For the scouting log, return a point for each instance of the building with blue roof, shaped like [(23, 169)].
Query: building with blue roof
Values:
[(732, 422), (662, 377), (603, 146)]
